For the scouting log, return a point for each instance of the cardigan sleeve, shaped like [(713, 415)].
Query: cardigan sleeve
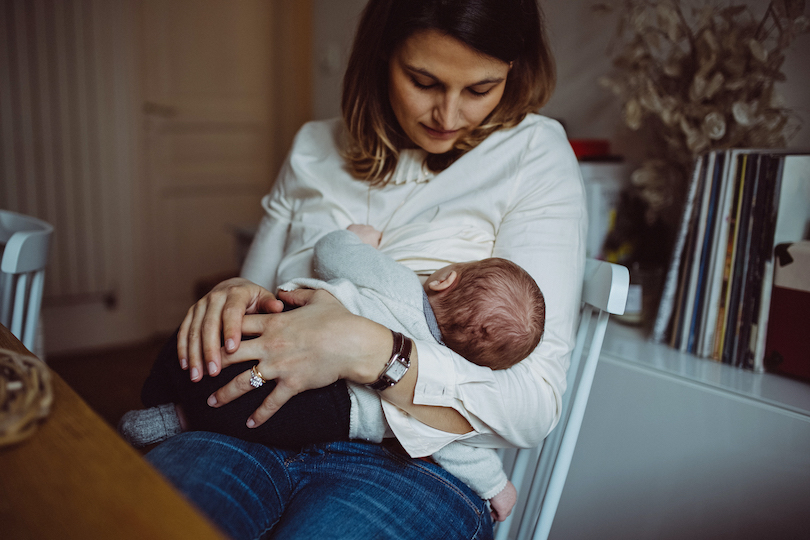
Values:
[(480, 468), (267, 249)]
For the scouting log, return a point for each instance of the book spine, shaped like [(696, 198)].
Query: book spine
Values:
[(776, 170), (740, 268), (668, 295), (758, 242), (698, 318), (717, 256), (697, 227), (723, 313)]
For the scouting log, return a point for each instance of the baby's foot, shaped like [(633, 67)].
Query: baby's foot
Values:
[(149, 426)]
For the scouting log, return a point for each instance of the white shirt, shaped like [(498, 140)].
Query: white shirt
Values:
[(518, 195)]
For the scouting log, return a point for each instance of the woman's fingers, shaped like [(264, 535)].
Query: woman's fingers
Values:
[(280, 395), (253, 349), (239, 386), (297, 297), (233, 310), (210, 337), (204, 334), (193, 340), (182, 338), (216, 320), (252, 325), (242, 297)]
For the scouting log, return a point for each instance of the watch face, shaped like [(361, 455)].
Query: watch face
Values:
[(396, 371)]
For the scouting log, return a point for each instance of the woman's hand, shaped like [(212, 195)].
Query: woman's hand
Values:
[(309, 347), (217, 317)]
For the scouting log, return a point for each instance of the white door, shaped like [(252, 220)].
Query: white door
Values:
[(208, 143)]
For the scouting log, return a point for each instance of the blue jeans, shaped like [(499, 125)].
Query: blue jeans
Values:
[(341, 490)]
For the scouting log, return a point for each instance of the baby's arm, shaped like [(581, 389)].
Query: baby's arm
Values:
[(342, 254), (481, 469)]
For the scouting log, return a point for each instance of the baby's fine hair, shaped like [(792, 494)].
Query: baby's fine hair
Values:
[(494, 315)]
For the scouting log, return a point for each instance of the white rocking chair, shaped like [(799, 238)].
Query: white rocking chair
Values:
[(539, 473), (24, 245)]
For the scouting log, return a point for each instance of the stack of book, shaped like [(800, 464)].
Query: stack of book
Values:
[(716, 297)]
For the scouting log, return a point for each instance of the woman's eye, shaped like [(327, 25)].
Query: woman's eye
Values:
[(421, 86), (479, 93)]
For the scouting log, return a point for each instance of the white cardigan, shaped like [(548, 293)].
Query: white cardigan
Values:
[(518, 195)]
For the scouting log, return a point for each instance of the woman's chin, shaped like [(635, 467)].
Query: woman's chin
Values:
[(437, 146)]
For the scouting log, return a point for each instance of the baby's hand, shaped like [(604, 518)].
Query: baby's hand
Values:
[(368, 234), (503, 502)]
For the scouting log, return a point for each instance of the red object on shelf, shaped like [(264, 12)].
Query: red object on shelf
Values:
[(787, 345), (590, 148)]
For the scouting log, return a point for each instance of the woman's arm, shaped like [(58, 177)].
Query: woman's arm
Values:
[(315, 345), (544, 232), (439, 417)]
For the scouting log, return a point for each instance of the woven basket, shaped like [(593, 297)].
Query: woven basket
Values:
[(25, 395)]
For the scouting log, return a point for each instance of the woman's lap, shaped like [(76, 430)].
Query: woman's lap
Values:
[(318, 415), (341, 490)]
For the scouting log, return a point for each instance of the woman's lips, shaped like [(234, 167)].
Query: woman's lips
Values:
[(440, 134)]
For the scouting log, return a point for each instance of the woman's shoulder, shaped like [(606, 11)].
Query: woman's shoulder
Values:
[(320, 136), (536, 139), (523, 141), (536, 126)]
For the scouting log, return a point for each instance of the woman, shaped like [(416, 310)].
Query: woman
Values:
[(440, 150)]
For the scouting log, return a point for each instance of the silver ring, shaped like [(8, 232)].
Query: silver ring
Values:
[(256, 379)]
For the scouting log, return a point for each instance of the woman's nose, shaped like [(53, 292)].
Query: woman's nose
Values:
[(446, 111)]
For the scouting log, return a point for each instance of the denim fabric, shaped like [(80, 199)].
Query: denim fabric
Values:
[(341, 490)]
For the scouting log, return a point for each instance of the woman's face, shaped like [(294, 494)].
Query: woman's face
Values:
[(440, 89)]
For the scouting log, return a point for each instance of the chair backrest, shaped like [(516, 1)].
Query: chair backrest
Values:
[(539, 473), (24, 245)]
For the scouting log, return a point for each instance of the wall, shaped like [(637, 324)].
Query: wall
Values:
[(112, 120), (579, 39), (69, 155)]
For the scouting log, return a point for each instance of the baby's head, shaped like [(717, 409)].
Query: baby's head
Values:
[(491, 312)]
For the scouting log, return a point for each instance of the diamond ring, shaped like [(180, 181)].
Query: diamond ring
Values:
[(256, 379)]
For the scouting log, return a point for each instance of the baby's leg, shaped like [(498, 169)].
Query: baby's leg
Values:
[(145, 427), (314, 416)]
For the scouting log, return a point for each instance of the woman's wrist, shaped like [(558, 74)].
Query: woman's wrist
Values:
[(397, 366), (373, 345)]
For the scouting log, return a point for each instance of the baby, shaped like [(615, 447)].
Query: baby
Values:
[(491, 312)]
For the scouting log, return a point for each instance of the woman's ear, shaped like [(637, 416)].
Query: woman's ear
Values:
[(444, 283)]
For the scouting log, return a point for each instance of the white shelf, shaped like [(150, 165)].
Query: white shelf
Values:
[(674, 446), (625, 344)]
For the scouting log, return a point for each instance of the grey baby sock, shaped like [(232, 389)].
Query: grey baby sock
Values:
[(149, 426)]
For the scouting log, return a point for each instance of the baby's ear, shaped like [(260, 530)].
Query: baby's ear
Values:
[(439, 285)]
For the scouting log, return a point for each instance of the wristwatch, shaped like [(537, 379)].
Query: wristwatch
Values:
[(397, 366)]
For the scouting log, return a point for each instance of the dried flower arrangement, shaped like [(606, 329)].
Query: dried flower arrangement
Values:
[(699, 79)]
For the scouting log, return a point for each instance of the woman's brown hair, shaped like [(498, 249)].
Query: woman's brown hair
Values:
[(509, 30)]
